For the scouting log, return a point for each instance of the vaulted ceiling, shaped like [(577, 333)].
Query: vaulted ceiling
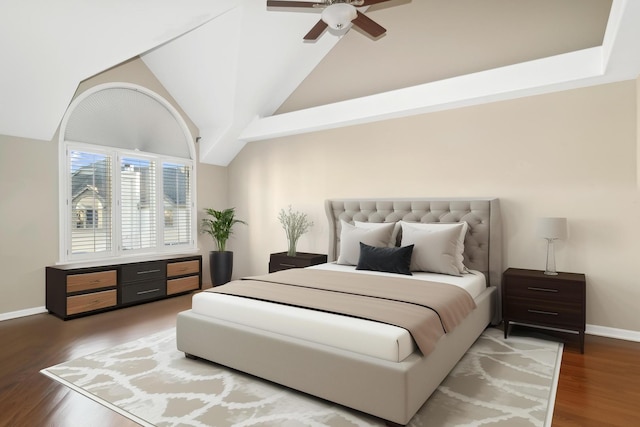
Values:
[(242, 72)]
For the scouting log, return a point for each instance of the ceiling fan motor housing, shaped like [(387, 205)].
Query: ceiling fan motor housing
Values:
[(339, 15)]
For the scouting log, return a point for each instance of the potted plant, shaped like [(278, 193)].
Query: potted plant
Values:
[(219, 224), (295, 224)]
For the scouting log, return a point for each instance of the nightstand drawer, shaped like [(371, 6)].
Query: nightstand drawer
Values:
[(281, 261), (559, 315), (277, 266), (543, 290)]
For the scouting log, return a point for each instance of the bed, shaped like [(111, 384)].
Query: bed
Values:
[(390, 378)]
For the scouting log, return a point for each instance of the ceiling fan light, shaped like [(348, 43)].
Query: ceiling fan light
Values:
[(339, 15)]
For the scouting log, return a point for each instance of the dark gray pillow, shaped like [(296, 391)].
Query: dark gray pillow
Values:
[(389, 260)]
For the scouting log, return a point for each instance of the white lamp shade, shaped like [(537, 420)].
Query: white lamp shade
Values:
[(552, 228), (339, 15)]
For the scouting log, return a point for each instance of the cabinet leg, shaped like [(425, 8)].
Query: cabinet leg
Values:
[(506, 329)]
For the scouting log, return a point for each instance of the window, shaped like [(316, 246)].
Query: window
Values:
[(144, 204), (137, 203), (90, 213), (177, 203), (127, 176)]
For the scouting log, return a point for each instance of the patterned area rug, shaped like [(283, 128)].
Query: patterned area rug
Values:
[(497, 383)]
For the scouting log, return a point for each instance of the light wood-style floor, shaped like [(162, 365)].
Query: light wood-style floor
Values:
[(599, 388)]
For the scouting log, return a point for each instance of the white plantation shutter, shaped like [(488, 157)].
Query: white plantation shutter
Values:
[(124, 202), (176, 183), (138, 209), (90, 219)]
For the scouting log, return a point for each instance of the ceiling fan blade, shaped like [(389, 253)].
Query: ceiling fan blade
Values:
[(275, 3), (371, 2), (368, 25), (316, 30)]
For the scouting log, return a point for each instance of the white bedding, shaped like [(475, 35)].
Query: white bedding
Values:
[(358, 335)]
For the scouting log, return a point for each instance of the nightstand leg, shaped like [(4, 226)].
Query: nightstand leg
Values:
[(582, 342), (506, 329)]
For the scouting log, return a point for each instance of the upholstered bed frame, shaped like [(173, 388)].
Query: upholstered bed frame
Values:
[(390, 390)]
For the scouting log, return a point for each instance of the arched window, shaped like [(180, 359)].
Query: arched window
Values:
[(127, 182)]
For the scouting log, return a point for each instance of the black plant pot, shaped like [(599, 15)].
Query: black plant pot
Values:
[(220, 267)]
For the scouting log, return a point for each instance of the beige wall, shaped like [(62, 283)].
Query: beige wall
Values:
[(569, 154), (29, 213), (29, 201)]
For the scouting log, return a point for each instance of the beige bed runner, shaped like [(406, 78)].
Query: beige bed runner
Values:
[(427, 309)]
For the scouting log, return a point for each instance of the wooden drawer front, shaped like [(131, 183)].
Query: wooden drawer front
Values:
[(143, 271), (89, 281), (182, 268), (93, 301), (545, 290), (143, 291), (184, 284), (569, 315)]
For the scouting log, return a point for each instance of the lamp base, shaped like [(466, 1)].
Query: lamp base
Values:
[(550, 269)]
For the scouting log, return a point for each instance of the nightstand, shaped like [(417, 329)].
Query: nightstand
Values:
[(281, 261), (556, 302)]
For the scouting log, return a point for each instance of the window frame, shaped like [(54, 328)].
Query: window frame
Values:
[(117, 250), (188, 156)]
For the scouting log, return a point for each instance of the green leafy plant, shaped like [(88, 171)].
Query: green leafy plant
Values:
[(295, 224), (219, 225)]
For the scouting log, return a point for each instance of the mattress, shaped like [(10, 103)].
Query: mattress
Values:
[(361, 336)]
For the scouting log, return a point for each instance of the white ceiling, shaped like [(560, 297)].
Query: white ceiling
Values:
[(231, 64)]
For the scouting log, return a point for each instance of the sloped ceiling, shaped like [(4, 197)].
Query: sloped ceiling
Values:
[(435, 40), (242, 73), (48, 47)]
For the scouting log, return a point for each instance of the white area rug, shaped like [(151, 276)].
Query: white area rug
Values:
[(497, 383)]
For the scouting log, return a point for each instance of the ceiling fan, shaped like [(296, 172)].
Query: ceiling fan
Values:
[(337, 14)]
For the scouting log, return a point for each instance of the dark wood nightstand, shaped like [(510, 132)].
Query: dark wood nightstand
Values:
[(534, 298), (281, 261)]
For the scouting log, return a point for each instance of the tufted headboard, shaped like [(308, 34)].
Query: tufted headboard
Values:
[(483, 243)]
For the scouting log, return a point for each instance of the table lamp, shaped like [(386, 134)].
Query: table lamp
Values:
[(552, 229)]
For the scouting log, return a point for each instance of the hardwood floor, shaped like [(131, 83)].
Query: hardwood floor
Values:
[(599, 388), (29, 344)]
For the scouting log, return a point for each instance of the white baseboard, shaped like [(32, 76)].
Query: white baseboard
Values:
[(22, 313), (621, 334)]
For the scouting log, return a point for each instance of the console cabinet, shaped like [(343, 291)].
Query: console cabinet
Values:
[(73, 292)]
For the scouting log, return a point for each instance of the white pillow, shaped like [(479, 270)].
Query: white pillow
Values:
[(438, 248), (351, 236), (373, 225)]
